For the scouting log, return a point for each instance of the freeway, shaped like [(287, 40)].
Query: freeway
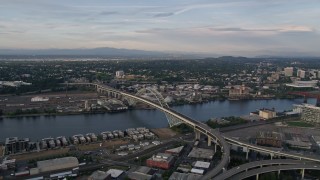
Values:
[(270, 151), (222, 140), (275, 168), (255, 164)]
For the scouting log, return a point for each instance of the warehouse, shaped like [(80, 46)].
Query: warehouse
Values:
[(55, 164)]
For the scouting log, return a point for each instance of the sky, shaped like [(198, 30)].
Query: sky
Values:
[(228, 27)]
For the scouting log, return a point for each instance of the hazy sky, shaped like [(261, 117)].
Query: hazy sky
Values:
[(230, 27)]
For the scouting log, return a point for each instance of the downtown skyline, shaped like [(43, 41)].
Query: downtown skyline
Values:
[(232, 27)]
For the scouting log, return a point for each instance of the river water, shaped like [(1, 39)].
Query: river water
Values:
[(40, 127)]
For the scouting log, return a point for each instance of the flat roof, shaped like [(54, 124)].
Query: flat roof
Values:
[(175, 150), (114, 172), (202, 164), (99, 175), (201, 153), (197, 171), (184, 176), (57, 162)]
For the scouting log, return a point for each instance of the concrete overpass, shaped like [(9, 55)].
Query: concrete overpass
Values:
[(255, 164), (212, 134), (257, 172)]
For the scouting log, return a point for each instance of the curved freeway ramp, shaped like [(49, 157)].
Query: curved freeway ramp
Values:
[(270, 151), (274, 169), (255, 164)]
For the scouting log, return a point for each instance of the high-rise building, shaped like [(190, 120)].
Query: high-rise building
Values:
[(301, 73), (288, 71), (119, 74)]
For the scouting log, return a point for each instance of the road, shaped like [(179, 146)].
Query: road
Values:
[(244, 167), (275, 168)]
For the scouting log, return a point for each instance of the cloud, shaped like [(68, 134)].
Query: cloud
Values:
[(108, 13), (165, 14), (290, 28)]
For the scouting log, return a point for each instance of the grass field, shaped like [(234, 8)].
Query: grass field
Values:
[(299, 124), (40, 155)]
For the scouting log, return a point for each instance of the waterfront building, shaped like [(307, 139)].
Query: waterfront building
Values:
[(14, 145), (288, 71), (239, 91), (310, 113), (267, 113), (303, 84)]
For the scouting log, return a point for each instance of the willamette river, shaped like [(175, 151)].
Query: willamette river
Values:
[(53, 126)]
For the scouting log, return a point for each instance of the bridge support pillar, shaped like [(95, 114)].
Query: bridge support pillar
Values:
[(247, 154), (302, 174), (197, 133), (257, 177), (278, 173), (305, 99), (271, 155), (215, 147), (318, 101), (209, 141)]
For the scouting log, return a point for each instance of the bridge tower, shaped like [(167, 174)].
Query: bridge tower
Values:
[(159, 98)]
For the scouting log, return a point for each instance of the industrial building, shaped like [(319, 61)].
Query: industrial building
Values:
[(303, 84), (99, 175), (161, 160), (14, 145), (115, 173), (184, 176), (175, 151), (39, 99), (201, 165), (142, 172), (310, 113), (296, 139), (54, 165), (200, 153), (273, 139), (316, 140)]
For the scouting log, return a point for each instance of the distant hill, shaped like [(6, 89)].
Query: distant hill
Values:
[(77, 52)]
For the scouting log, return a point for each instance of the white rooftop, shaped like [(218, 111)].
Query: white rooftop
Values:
[(115, 173), (197, 171), (202, 164)]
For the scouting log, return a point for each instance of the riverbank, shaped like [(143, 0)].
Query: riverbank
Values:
[(68, 125), (71, 113)]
